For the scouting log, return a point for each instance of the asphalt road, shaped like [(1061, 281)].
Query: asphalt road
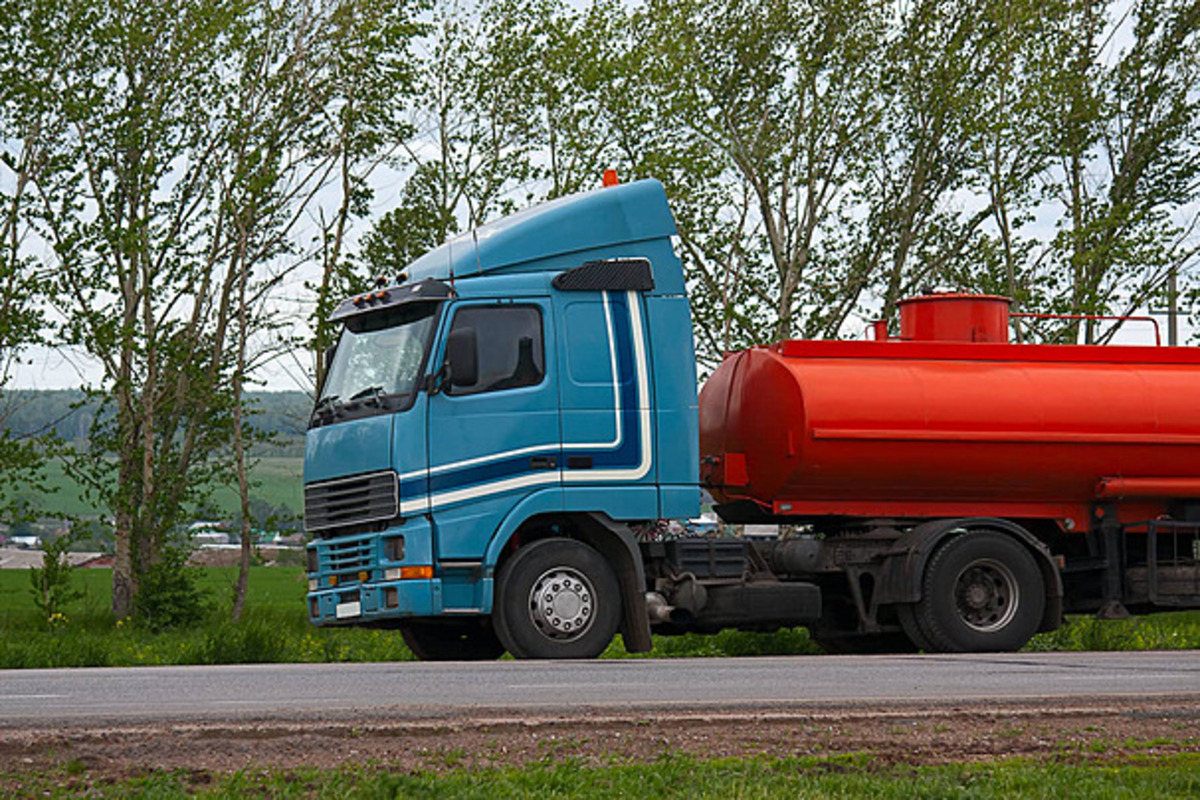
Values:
[(400, 691)]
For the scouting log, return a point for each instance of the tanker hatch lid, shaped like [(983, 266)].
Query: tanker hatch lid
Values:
[(955, 317)]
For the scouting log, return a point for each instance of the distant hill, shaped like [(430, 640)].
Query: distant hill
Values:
[(277, 472), (69, 413), (277, 490)]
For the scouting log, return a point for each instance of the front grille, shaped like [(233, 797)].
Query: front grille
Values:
[(347, 559), (351, 501)]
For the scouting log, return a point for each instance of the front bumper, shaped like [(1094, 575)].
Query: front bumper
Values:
[(360, 603), (367, 577)]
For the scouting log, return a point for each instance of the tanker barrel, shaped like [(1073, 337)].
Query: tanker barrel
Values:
[(791, 556)]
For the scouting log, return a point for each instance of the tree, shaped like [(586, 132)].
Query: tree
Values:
[(562, 69), (192, 137), (1012, 150), (23, 138), (470, 145), (767, 108), (1127, 173), (949, 158), (508, 110), (134, 218), (367, 81), (318, 109)]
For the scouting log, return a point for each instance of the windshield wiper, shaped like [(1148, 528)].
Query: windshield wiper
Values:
[(371, 396), (373, 391), (327, 407)]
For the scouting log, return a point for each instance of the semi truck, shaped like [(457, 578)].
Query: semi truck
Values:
[(504, 426)]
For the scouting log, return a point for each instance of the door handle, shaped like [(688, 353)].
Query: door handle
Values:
[(543, 462)]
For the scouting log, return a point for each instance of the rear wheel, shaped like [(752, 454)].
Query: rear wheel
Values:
[(557, 598), (981, 592), (452, 640), (907, 614)]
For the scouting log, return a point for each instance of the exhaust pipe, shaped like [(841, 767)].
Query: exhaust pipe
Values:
[(662, 612)]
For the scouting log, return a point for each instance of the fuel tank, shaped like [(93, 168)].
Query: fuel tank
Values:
[(950, 419)]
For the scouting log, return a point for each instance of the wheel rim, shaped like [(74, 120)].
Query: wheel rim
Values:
[(986, 595), (562, 604)]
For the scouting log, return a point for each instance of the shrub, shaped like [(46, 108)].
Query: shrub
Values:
[(253, 641), (169, 596), (51, 582)]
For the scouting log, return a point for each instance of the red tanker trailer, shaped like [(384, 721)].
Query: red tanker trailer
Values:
[(956, 491)]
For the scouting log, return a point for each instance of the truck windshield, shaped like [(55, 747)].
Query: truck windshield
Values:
[(377, 363)]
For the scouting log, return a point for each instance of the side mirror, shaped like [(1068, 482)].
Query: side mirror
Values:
[(462, 357)]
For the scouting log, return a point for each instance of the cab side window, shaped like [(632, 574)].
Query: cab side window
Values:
[(510, 347)]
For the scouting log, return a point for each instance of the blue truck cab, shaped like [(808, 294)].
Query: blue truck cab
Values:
[(495, 424)]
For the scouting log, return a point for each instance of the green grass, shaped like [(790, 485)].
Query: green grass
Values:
[(1178, 630), (672, 775), (278, 478), (276, 629), (65, 498)]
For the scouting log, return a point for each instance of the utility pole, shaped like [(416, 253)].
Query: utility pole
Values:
[(1172, 309)]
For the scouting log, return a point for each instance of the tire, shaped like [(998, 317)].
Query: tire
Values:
[(981, 592), (452, 640), (907, 614), (557, 598)]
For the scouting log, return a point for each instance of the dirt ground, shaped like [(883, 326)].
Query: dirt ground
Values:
[(1079, 732)]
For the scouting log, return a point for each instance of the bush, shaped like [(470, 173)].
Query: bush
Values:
[(169, 596), (252, 641), (51, 582)]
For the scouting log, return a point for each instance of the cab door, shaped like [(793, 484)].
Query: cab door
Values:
[(493, 432)]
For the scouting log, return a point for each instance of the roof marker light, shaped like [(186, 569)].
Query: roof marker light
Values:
[(610, 178)]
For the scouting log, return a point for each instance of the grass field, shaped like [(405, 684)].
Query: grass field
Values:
[(854, 775), (278, 479), (275, 629), (280, 482)]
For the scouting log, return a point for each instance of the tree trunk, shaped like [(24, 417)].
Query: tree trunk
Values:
[(241, 271), (239, 449), (124, 585)]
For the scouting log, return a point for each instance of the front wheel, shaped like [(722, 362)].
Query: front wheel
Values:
[(557, 598), (982, 592)]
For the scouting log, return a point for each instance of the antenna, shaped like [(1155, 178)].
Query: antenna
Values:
[(478, 261), (474, 234)]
